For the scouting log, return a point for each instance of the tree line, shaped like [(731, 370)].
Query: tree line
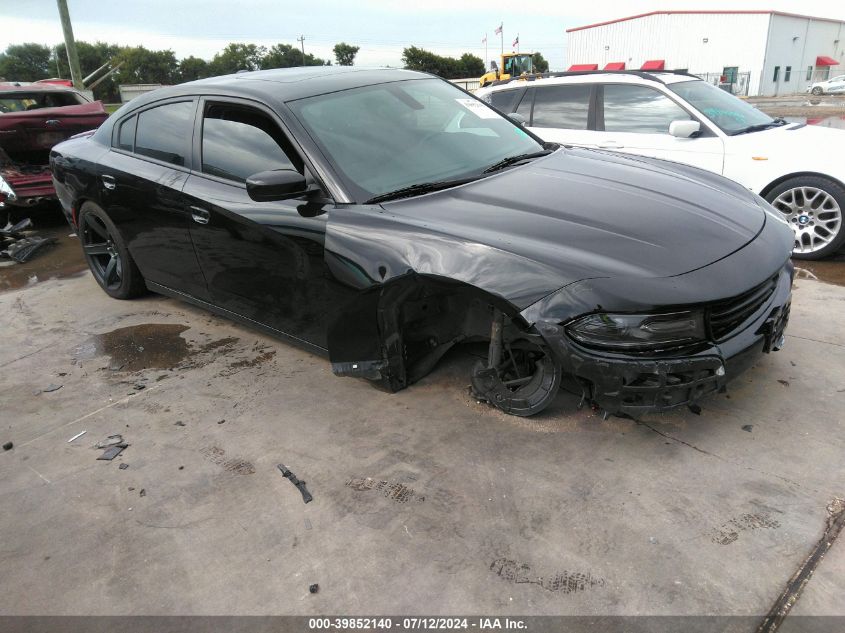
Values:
[(140, 65)]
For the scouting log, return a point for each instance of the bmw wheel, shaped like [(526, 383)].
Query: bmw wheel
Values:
[(107, 255), (813, 206)]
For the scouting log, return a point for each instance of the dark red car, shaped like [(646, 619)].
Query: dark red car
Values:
[(34, 118)]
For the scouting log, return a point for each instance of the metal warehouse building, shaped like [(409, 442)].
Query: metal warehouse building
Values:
[(749, 52)]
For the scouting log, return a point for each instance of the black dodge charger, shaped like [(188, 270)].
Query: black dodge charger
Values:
[(381, 217)]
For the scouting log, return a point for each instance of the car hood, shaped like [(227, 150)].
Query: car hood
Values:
[(586, 213)]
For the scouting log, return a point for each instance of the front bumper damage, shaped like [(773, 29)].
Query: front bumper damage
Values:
[(634, 385)]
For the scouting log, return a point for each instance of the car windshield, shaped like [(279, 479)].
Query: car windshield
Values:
[(732, 115), (385, 137)]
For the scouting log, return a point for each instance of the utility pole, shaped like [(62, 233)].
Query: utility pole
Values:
[(301, 40), (70, 46)]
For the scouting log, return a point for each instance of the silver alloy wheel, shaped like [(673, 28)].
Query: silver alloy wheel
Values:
[(813, 214)]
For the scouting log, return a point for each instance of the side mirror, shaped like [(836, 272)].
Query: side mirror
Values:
[(277, 184), (517, 118), (684, 129)]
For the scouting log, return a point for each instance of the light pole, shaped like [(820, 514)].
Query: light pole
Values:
[(70, 46), (301, 40)]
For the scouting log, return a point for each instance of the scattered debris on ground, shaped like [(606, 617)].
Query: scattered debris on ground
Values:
[(51, 387), (306, 496), (8, 446), (77, 436), (18, 243), (314, 588), (123, 466), (143, 492), (747, 427), (113, 446)]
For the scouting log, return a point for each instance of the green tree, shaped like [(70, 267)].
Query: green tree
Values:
[(91, 57), (25, 62), (192, 68), (287, 56), (447, 67), (237, 56), (140, 65), (540, 64), (344, 54)]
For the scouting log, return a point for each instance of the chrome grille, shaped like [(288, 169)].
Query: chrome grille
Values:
[(724, 317)]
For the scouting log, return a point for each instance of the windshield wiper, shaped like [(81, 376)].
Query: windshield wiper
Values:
[(419, 189), (761, 126), (510, 160)]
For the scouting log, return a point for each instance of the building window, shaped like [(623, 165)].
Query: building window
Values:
[(787, 73), (777, 74), (809, 73)]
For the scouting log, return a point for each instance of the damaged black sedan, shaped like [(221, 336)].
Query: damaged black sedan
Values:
[(381, 217)]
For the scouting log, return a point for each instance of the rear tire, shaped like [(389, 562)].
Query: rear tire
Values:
[(107, 255), (814, 207), (818, 91)]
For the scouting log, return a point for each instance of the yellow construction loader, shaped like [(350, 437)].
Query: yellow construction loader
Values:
[(512, 65)]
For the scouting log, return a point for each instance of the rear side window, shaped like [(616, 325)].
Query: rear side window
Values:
[(164, 132), (639, 109), (562, 107), (504, 100), (126, 134), (238, 142)]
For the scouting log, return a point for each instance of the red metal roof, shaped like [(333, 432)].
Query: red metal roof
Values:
[(644, 15), (614, 66), (654, 64), (584, 67), (824, 60)]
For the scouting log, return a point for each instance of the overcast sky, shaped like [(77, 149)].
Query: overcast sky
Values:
[(382, 28)]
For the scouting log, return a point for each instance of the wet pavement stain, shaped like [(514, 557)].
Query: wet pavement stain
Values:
[(830, 271), (139, 347), (62, 259)]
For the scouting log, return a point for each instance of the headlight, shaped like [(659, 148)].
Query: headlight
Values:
[(638, 332)]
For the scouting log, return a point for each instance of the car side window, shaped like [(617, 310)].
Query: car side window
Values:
[(164, 132), (238, 142), (504, 100), (126, 134), (639, 109), (562, 107), (524, 107)]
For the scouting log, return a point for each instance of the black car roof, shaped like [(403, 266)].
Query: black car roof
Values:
[(284, 84)]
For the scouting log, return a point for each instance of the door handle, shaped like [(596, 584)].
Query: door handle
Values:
[(108, 181), (610, 145), (199, 215)]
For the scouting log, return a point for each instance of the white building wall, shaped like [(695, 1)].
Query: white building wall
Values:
[(679, 38), (795, 42), (755, 43)]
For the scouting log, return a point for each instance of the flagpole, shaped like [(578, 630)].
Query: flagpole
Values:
[(486, 56)]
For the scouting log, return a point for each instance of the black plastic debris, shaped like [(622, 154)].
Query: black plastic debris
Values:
[(747, 427), (143, 492), (306, 496), (51, 387), (8, 446), (314, 588), (24, 249), (694, 408), (112, 451), (111, 440), (123, 466)]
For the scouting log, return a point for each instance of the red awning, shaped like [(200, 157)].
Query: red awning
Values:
[(654, 64), (824, 60), (615, 66), (584, 67)]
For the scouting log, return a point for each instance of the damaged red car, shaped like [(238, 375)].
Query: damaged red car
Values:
[(382, 217), (33, 118)]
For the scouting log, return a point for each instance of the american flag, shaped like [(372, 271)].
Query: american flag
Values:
[(484, 41), (516, 41), (498, 30)]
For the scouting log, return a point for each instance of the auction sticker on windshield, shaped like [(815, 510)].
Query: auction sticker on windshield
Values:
[(478, 108)]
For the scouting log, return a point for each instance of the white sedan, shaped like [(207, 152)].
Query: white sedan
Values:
[(677, 116), (835, 85)]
